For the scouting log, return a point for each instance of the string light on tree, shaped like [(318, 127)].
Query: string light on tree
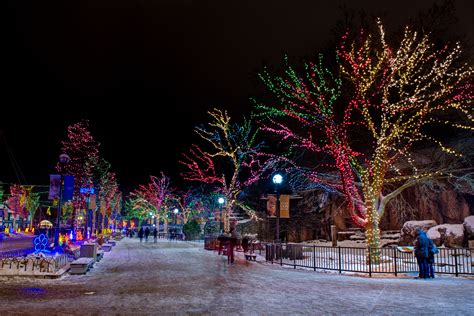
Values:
[(382, 93)]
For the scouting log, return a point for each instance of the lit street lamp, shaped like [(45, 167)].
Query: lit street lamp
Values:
[(221, 202), (277, 180), (63, 160), (175, 212)]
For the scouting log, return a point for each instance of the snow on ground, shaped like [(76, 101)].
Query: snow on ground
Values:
[(183, 278)]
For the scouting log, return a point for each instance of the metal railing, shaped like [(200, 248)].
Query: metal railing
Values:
[(348, 259)]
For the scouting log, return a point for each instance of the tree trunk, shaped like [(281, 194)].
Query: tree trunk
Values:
[(31, 221), (226, 221), (372, 236), (93, 223)]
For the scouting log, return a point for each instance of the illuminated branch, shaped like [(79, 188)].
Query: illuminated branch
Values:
[(234, 151), (365, 116)]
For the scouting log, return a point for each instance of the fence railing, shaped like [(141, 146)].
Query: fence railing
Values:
[(392, 260)]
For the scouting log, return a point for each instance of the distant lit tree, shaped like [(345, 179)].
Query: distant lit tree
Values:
[(16, 202), (231, 160), (153, 197)]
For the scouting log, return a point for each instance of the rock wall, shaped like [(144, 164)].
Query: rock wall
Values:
[(447, 207)]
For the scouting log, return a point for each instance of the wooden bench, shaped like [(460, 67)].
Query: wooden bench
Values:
[(100, 255), (250, 256), (81, 265), (106, 247)]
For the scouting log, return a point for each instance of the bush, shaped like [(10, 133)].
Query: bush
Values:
[(192, 230), (211, 227)]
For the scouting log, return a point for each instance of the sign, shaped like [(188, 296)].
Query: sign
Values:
[(68, 190), (407, 249), (271, 205), (284, 206), (87, 190), (54, 185)]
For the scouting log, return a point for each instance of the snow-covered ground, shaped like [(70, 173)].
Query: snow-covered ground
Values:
[(183, 278)]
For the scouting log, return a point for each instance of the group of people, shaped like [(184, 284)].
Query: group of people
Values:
[(146, 233), (425, 249)]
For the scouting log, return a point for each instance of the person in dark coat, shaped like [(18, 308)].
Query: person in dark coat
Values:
[(147, 233), (245, 244), (140, 234), (155, 235), (422, 245)]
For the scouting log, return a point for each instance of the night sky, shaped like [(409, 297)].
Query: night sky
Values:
[(145, 72)]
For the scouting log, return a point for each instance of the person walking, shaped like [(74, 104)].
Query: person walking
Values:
[(155, 235), (422, 244), (147, 233), (140, 234), (245, 244)]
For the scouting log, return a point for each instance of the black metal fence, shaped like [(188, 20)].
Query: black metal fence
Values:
[(392, 260)]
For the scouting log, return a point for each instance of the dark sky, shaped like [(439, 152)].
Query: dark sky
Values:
[(145, 72)]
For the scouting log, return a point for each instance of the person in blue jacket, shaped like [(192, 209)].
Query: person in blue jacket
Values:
[(422, 245), (432, 250)]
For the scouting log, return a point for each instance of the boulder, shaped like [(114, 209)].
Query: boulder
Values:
[(450, 235), (408, 232), (469, 226), (341, 236)]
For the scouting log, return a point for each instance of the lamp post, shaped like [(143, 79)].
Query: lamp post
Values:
[(277, 180), (175, 212), (63, 160), (221, 202)]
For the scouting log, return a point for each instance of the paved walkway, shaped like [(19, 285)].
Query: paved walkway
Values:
[(183, 278)]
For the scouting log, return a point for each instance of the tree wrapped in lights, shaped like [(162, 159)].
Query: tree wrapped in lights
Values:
[(16, 202), (108, 191), (83, 152), (153, 197), (362, 119), (231, 162), (191, 206), (32, 203), (135, 211)]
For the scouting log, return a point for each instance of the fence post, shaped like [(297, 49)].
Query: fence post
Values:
[(281, 254), (339, 251), (314, 257), (272, 251), (456, 262), (395, 259), (294, 255), (370, 262)]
